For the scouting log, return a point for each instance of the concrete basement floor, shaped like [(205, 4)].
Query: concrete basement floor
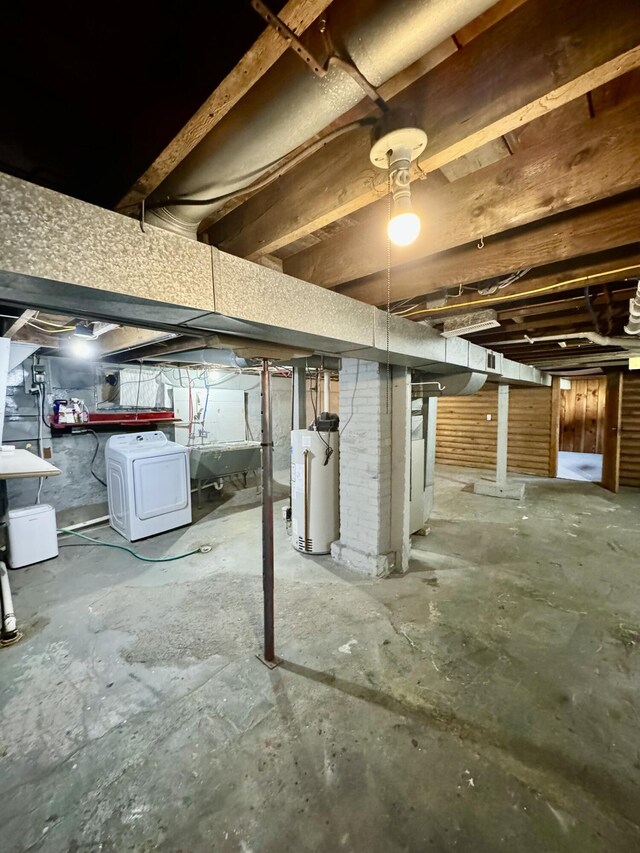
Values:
[(488, 700)]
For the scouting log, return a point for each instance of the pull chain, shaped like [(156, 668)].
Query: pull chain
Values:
[(388, 288)]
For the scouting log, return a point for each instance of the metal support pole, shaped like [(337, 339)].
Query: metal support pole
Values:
[(299, 398), (503, 434), (268, 656)]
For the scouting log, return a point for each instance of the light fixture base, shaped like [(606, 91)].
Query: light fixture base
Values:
[(408, 139)]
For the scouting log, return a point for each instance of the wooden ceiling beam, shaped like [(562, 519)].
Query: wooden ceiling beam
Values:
[(535, 183), (127, 338), (541, 56), (617, 297), (19, 322), (298, 15), (563, 278), (582, 231)]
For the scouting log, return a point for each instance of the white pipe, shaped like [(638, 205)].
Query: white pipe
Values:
[(633, 326), (103, 518), (88, 523), (594, 337), (326, 407), (9, 624)]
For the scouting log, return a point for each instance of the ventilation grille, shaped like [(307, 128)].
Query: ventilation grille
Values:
[(305, 545), (466, 324)]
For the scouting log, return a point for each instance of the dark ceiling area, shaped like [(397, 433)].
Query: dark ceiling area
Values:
[(93, 92)]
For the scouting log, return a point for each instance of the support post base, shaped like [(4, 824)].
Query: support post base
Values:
[(374, 565), (270, 664), (514, 491)]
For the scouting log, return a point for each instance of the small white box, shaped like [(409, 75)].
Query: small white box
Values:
[(32, 535)]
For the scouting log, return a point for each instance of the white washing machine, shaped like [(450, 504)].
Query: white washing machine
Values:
[(148, 484)]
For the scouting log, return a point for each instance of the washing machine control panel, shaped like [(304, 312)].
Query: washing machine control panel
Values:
[(138, 439)]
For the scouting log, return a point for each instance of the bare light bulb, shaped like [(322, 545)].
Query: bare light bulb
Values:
[(81, 348), (404, 228)]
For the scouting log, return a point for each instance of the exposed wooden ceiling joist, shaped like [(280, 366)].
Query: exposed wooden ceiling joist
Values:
[(523, 313), (533, 184), (586, 230), (298, 15), (541, 56), (129, 338), (566, 277), (19, 322), (398, 83)]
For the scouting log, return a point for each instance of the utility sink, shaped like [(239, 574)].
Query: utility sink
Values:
[(219, 459)]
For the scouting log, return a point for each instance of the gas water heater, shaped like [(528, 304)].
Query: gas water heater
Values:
[(315, 517)]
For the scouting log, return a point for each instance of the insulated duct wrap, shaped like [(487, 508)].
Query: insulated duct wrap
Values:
[(290, 104)]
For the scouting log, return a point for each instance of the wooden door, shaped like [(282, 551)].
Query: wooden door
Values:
[(582, 417), (613, 411)]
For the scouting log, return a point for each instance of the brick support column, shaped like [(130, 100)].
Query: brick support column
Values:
[(374, 468)]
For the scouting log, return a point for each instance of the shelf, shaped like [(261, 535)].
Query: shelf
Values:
[(120, 419)]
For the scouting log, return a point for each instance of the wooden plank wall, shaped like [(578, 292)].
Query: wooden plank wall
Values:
[(465, 437), (630, 431), (582, 415)]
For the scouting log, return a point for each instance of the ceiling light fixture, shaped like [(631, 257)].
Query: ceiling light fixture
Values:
[(396, 143), (81, 347)]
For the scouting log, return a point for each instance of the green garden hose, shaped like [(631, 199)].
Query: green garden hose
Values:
[(203, 549)]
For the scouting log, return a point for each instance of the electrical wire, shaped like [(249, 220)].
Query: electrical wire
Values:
[(500, 285), (40, 405), (38, 319), (203, 549), (328, 449), (590, 309), (138, 389), (509, 296), (47, 331), (95, 453), (264, 182)]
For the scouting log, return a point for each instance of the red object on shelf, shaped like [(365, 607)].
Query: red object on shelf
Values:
[(121, 419)]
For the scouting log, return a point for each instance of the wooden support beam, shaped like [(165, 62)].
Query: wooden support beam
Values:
[(19, 322), (564, 278), (33, 336), (583, 231), (533, 184), (618, 297), (541, 56), (297, 15), (129, 337)]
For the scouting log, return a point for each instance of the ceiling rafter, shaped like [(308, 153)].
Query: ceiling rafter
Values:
[(298, 15), (585, 230), (533, 184), (463, 103)]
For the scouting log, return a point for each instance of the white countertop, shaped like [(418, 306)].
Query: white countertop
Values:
[(22, 463)]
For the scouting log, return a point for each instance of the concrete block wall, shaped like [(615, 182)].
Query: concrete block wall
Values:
[(75, 488), (365, 469)]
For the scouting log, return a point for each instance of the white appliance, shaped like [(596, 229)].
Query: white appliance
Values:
[(148, 484), (31, 535), (315, 516)]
